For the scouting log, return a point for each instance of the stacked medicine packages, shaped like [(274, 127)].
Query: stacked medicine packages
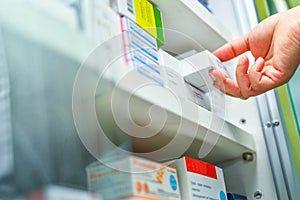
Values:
[(133, 178), (139, 23), (141, 26)]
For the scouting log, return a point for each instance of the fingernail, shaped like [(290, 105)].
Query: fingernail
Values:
[(259, 61), (211, 74), (241, 60)]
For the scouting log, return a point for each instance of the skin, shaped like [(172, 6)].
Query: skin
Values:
[(275, 45)]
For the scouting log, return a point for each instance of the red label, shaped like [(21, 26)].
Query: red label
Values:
[(200, 167)]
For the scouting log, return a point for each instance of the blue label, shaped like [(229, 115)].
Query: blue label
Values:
[(173, 182), (222, 195)]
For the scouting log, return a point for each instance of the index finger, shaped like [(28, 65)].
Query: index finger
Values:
[(233, 48)]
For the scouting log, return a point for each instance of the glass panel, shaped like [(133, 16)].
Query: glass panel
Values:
[(289, 98), (294, 92)]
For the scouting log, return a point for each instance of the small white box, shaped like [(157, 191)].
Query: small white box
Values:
[(200, 180), (199, 85), (144, 179), (195, 70), (189, 79)]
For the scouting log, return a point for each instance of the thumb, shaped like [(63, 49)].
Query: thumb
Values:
[(256, 75)]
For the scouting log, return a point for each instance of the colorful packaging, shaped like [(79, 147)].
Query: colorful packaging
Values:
[(53, 192), (145, 179), (144, 14), (200, 180), (141, 51)]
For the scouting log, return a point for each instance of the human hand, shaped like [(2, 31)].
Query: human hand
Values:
[(275, 45)]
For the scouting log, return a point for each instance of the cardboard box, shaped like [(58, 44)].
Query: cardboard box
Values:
[(141, 51), (52, 192), (189, 79), (200, 180), (195, 69), (199, 84), (144, 14), (145, 179)]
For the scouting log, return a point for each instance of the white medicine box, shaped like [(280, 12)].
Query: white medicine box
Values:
[(200, 180)]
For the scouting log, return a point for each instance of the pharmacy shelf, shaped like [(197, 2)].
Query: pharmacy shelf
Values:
[(180, 117), (186, 19), (232, 142)]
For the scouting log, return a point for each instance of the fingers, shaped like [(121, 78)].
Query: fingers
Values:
[(265, 77), (255, 75), (224, 84), (258, 80), (242, 77), (247, 85), (233, 48)]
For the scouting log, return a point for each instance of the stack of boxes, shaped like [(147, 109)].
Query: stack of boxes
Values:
[(137, 178), (141, 51), (140, 24)]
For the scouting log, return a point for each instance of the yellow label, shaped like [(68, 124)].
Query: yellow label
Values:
[(145, 16)]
